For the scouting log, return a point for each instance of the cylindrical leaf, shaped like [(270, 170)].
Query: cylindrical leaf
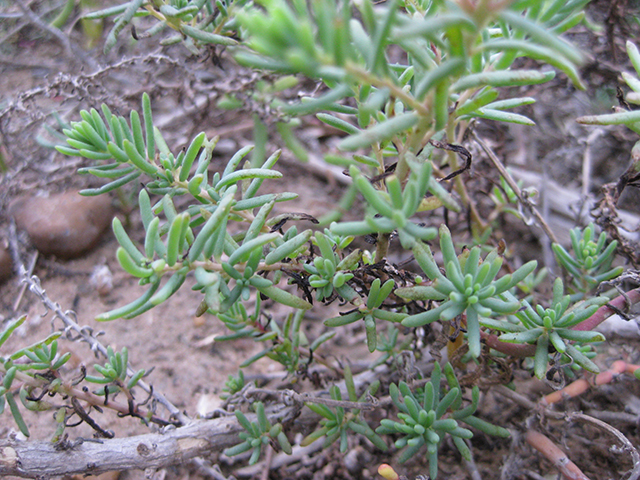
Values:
[(380, 132)]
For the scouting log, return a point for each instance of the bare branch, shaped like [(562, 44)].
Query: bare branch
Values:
[(628, 446), (155, 450), (85, 333)]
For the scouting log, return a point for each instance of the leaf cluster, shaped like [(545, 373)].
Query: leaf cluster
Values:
[(114, 373), (590, 264), (552, 327), (426, 417), (469, 285), (26, 369), (337, 423), (258, 434)]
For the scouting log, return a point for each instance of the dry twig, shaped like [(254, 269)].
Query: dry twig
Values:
[(84, 333), (525, 202), (627, 445)]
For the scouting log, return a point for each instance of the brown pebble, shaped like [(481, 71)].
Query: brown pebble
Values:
[(5, 263), (65, 225)]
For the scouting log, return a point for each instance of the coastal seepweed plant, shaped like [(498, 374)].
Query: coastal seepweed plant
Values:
[(430, 414), (552, 327), (32, 376), (468, 286), (338, 423), (258, 434), (590, 264), (403, 81)]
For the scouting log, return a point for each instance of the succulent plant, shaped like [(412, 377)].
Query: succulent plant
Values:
[(551, 327), (257, 434), (337, 422), (427, 416), (469, 286), (405, 125), (370, 311), (590, 264)]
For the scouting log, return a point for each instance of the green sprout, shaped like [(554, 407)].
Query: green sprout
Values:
[(590, 263), (552, 327), (258, 434), (469, 286), (426, 417), (393, 210), (25, 370), (233, 385), (504, 197), (336, 423), (369, 312), (328, 271), (113, 374), (387, 343)]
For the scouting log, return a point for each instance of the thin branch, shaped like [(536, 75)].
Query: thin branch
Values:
[(76, 82), (628, 446), (587, 161), (525, 202), (86, 333), (630, 419), (57, 33), (32, 265), (621, 302), (267, 464), (302, 398), (206, 470)]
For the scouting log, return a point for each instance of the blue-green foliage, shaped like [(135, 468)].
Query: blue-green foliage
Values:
[(469, 286), (428, 415), (258, 434), (591, 261), (552, 327)]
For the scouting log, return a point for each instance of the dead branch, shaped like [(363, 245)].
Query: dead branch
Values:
[(627, 445), (173, 446), (154, 450)]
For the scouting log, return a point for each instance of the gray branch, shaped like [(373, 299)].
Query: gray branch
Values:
[(42, 459), (173, 446)]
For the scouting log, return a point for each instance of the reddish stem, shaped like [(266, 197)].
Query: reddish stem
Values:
[(556, 456), (582, 385), (518, 350), (605, 311), (527, 350)]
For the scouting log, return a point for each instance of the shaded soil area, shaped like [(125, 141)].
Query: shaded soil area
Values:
[(40, 77)]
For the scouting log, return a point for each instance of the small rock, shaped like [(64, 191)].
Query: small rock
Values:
[(615, 326), (6, 268), (102, 280), (65, 225)]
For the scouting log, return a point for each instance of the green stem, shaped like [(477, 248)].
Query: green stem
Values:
[(382, 246), (394, 90)]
